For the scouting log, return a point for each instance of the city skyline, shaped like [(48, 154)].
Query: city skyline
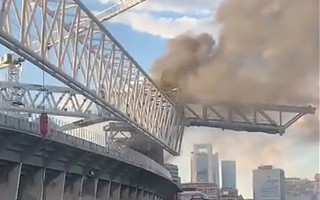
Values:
[(264, 175), (303, 189), (246, 158)]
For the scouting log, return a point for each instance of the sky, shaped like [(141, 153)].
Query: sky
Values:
[(144, 31)]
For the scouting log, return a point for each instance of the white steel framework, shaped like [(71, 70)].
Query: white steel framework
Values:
[(117, 7), (59, 101), (50, 34), (63, 101)]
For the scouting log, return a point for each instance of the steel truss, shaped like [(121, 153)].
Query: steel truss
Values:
[(59, 101), (272, 119), (51, 35), (63, 101), (118, 7)]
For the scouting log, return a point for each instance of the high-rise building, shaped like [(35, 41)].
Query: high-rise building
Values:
[(204, 164), (230, 194), (228, 174), (299, 189), (210, 189), (268, 183), (216, 170), (302, 189), (174, 171), (316, 186)]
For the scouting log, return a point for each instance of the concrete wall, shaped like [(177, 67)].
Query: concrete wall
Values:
[(32, 183), (62, 167)]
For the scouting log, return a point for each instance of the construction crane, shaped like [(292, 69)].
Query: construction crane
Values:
[(13, 65)]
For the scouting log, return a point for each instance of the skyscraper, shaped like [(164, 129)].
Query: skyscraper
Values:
[(204, 164), (174, 171), (228, 171), (268, 183)]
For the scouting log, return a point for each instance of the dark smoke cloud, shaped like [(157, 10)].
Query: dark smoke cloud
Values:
[(268, 52)]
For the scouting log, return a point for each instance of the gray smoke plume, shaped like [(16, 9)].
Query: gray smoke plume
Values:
[(267, 52)]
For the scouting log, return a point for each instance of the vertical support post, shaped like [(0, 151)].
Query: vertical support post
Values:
[(9, 183), (95, 182), (55, 188), (115, 191), (150, 196), (32, 186), (124, 192), (89, 189), (2, 14), (133, 193), (103, 191), (145, 195), (73, 192), (139, 194)]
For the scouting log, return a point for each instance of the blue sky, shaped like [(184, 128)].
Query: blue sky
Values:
[(143, 47), (143, 32)]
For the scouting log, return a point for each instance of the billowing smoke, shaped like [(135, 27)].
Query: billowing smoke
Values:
[(268, 52)]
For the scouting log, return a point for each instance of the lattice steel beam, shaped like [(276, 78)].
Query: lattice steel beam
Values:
[(60, 101), (233, 116), (118, 7), (90, 62), (266, 118)]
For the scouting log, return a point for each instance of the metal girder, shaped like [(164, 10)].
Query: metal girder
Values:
[(63, 101), (266, 118), (118, 7), (91, 62), (86, 122), (59, 101)]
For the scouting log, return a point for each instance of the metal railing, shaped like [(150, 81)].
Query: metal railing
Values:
[(121, 152)]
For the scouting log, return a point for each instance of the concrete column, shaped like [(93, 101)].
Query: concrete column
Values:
[(115, 191), (148, 196), (145, 195), (152, 196), (9, 183), (73, 192), (139, 194), (124, 194), (89, 189), (32, 188), (103, 191), (55, 189), (133, 193)]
